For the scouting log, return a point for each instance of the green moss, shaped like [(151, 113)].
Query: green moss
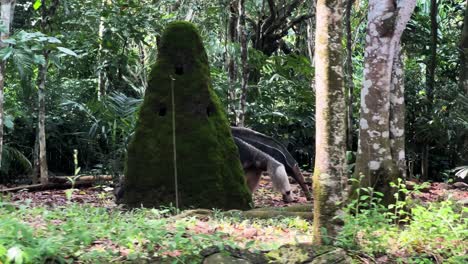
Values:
[(208, 166)]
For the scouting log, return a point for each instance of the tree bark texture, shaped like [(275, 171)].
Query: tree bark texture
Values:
[(349, 75), (430, 84), (397, 113), (464, 67), (329, 172), (464, 55), (7, 11), (311, 40), (375, 160), (432, 63), (244, 66), (41, 81), (231, 62), (47, 12), (101, 89)]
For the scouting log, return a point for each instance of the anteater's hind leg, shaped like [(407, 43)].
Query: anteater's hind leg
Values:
[(253, 178)]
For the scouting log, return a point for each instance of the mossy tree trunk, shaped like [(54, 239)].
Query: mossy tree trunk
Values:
[(330, 144), (7, 11), (375, 159)]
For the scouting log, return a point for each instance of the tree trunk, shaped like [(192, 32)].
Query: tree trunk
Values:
[(7, 11), (375, 162), (329, 172), (244, 66), (2, 85), (231, 62), (36, 167), (424, 162), (349, 75), (101, 89), (311, 40), (397, 113), (47, 12), (432, 63), (430, 84), (464, 55), (43, 170), (463, 81)]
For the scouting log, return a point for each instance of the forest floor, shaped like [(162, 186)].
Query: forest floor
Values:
[(264, 196), (102, 195), (85, 225)]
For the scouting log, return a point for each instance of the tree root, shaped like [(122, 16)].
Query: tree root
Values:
[(306, 208), (272, 214), (194, 212)]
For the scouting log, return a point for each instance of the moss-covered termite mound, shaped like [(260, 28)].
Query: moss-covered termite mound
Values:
[(208, 167)]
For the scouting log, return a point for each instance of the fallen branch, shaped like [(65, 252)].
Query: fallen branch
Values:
[(273, 214), (82, 178), (195, 212), (302, 211), (49, 186), (61, 182), (295, 208)]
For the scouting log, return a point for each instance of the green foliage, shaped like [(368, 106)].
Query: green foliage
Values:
[(404, 230), (437, 123), (63, 235), (27, 49), (110, 126), (13, 162)]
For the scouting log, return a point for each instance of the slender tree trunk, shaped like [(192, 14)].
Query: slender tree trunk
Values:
[(330, 145), (375, 162), (244, 67), (430, 84), (464, 55), (36, 167), (464, 71), (349, 75), (190, 13), (231, 62), (41, 81), (425, 162), (47, 12), (2, 84), (7, 11), (101, 89), (311, 39), (432, 63)]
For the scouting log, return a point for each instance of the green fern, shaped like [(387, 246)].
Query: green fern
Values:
[(14, 160)]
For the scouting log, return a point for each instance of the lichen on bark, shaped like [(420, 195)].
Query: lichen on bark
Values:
[(329, 171), (380, 158), (208, 167)]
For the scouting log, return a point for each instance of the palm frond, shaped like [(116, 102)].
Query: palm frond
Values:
[(461, 172), (12, 158)]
